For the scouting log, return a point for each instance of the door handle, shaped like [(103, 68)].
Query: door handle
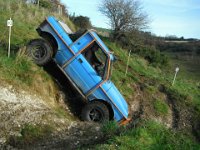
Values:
[(80, 60)]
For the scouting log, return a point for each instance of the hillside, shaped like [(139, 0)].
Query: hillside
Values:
[(37, 112), (26, 18)]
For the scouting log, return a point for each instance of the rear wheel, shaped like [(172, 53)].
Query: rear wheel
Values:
[(96, 112), (40, 51)]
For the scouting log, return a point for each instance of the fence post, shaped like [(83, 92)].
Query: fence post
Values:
[(176, 71), (9, 24), (127, 62)]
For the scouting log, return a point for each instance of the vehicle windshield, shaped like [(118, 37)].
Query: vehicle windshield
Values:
[(97, 59)]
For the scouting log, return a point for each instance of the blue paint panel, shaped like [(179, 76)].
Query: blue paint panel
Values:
[(98, 94), (82, 74), (118, 100), (60, 30), (82, 42), (62, 56), (107, 85), (117, 115)]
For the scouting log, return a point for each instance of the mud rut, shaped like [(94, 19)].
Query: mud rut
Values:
[(172, 105), (182, 117)]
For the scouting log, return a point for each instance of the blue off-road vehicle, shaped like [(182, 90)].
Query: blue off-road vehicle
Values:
[(86, 62)]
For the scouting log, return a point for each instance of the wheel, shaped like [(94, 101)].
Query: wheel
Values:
[(40, 51), (95, 111)]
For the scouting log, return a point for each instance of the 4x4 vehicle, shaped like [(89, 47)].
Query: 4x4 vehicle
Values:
[(86, 62)]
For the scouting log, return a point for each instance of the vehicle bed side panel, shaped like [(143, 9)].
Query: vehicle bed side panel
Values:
[(63, 53), (60, 31)]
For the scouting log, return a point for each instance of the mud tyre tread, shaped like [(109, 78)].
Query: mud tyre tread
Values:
[(40, 51), (101, 110)]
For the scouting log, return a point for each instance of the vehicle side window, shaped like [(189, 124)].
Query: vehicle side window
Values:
[(97, 58)]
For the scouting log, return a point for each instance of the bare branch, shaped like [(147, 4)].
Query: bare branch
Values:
[(124, 15)]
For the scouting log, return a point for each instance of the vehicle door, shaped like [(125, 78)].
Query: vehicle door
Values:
[(87, 69)]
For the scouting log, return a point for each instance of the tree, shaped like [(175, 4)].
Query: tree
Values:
[(46, 4), (81, 21), (124, 15)]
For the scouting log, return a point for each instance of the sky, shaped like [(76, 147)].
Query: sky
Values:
[(168, 17)]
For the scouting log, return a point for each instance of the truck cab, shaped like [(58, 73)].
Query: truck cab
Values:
[(87, 63)]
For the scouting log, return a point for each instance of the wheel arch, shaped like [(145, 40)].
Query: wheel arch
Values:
[(111, 112), (51, 39)]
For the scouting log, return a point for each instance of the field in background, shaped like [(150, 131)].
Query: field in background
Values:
[(189, 65)]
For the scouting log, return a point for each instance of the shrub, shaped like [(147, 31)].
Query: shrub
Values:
[(153, 56), (81, 21), (46, 4)]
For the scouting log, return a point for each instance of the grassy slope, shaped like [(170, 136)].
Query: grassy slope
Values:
[(23, 73), (151, 134), (26, 19), (18, 70), (139, 69)]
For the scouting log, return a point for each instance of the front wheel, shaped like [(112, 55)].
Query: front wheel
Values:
[(96, 112), (40, 51)]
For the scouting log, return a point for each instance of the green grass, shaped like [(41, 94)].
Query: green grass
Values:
[(19, 70), (160, 107), (110, 128), (26, 18), (16, 69), (150, 135)]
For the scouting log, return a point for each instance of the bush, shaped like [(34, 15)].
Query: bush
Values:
[(81, 21), (46, 4), (153, 56)]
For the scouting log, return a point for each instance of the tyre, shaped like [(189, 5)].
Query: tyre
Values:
[(96, 112), (40, 51)]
